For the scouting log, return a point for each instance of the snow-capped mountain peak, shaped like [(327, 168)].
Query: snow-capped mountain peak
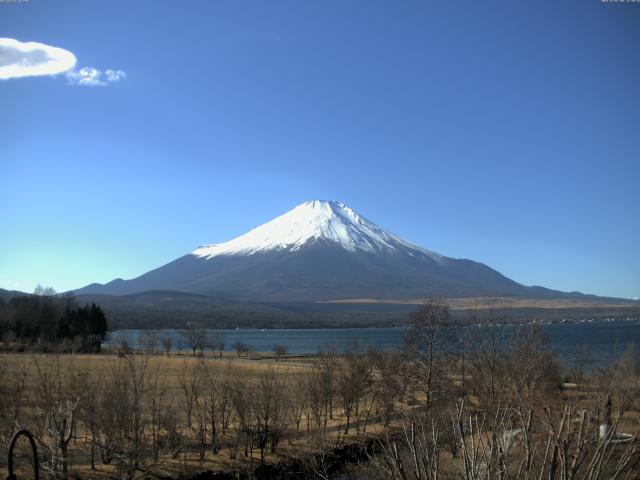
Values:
[(312, 221)]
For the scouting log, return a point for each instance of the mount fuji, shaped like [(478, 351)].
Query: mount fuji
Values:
[(321, 251)]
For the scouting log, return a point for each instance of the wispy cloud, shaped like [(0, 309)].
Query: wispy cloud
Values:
[(114, 75), (30, 59), (92, 77)]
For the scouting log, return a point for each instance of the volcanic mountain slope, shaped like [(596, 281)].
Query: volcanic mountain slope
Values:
[(321, 250)]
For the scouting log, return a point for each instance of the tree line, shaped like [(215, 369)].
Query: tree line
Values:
[(47, 321)]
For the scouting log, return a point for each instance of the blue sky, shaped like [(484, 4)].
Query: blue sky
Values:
[(504, 132)]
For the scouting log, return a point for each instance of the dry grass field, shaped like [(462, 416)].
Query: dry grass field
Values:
[(484, 303), (180, 375), (130, 415)]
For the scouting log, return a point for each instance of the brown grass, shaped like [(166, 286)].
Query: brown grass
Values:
[(484, 303)]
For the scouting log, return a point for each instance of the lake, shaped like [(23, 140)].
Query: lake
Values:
[(605, 339)]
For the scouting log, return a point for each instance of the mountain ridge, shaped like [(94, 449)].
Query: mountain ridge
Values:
[(318, 251), (170, 309)]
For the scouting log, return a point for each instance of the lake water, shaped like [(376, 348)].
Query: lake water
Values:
[(605, 339)]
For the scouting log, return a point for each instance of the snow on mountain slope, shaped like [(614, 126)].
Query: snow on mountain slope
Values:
[(311, 221)]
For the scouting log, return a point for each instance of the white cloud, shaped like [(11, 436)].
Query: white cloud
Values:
[(85, 76), (114, 75), (92, 77), (31, 59)]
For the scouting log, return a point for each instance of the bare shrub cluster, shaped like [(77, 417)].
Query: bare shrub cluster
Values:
[(496, 408)]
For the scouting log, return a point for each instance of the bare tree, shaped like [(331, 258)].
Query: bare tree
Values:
[(354, 380), (280, 351), (161, 413), (535, 376), (424, 347), (190, 382), (211, 401), (224, 398), (621, 380), (87, 387), (218, 343), (316, 399), (488, 360), (122, 419), (388, 383), (59, 409), (270, 408), (241, 348), (194, 336), (327, 368), (581, 356), (148, 342), (13, 384), (298, 394), (167, 344), (240, 399)]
